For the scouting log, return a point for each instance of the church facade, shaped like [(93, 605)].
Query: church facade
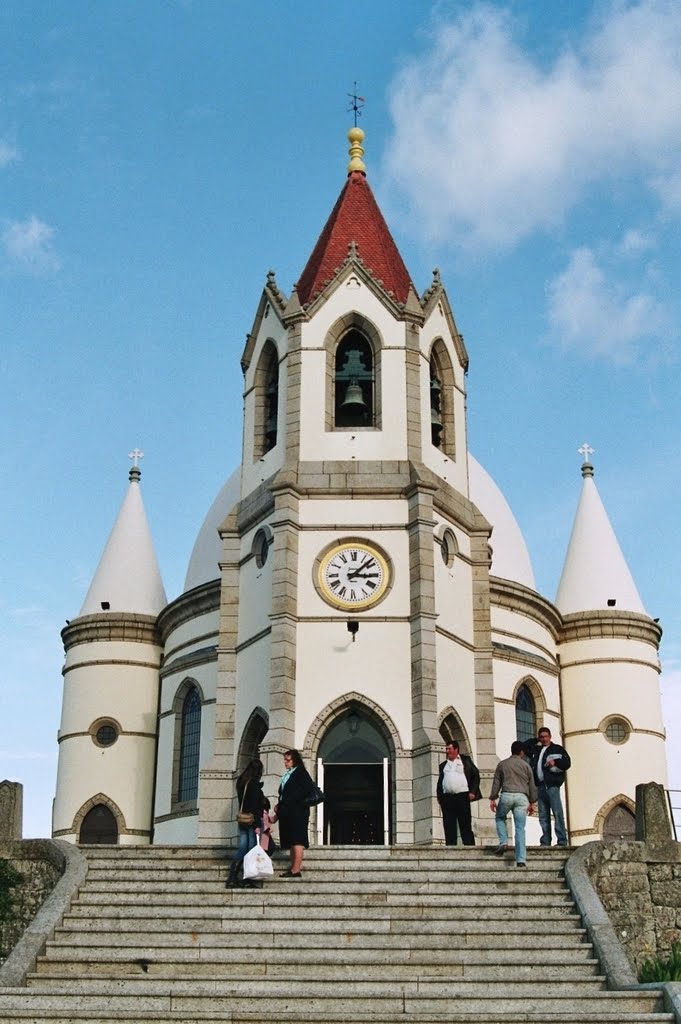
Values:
[(359, 590)]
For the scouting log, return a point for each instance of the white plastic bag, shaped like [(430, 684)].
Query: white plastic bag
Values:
[(257, 864)]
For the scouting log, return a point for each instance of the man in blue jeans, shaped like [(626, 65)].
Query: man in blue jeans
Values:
[(550, 762), (513, 778)]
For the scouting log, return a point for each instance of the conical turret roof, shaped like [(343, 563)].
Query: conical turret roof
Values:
[(128, 578), (356, 218), (595, 574)]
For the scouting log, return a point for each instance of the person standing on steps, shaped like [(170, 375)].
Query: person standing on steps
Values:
[(513, 778), (458, 786), (550, 762), (252, 804), (293, 810)]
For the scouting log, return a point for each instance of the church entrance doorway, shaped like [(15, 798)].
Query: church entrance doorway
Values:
[(99, 826), (354, 770)]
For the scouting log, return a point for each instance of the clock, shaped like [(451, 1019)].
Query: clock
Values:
[(353, 575)]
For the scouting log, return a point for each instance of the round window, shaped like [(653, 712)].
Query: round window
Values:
[(617, 731), (261, 546), (106, 734), (448, 548)]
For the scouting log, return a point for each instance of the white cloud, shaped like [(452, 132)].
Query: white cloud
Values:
[(8, 153), (635, 242), (29, 246), (592, 312), (489, 145)]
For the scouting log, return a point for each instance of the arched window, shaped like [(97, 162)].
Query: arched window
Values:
[(525, 714), (99, 826), (266, 397), (271, 400), (354, 382), (441, 376), (190, 742), (452, 728)]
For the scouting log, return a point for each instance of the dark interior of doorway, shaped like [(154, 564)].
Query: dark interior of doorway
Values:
[(353, 808)]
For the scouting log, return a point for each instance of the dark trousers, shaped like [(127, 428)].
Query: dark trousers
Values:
[(456, 817)]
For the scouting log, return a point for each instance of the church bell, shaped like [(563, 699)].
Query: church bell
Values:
[(354, 399)]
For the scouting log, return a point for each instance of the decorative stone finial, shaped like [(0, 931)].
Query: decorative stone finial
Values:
[(356, 151), (135, 472)]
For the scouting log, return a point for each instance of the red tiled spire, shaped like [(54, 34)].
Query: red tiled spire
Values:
[(355, 218)]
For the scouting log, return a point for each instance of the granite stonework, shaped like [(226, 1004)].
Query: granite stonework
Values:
[(639, 883), (39, 871), (11, 810)]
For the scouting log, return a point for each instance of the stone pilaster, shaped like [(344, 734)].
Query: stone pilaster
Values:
[(217, 810), (281, 734), (485, 733), (425, 736), (291, 418), (413, 361)]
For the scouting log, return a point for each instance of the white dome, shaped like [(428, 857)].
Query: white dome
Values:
[(510, 558), (205, 557)]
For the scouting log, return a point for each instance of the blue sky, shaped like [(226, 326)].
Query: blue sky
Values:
[(157, 159)]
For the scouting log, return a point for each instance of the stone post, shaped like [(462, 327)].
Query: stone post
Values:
[(653, 824), (11, 811)]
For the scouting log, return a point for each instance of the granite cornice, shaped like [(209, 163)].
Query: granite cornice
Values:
[(254, 507), (610, 624), (125, 626), (190, 605), (518, 598)]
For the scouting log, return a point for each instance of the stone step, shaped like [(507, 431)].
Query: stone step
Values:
[(294, 893), (90, 1015), (214, 968), (411, 998), (503, 877), (360, 853), (306, 924), (179, 948), (309, 985), (532, 905), (478, 935)]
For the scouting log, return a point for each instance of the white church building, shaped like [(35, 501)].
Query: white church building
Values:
[(359, 590)]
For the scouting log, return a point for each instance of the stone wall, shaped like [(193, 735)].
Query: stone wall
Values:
[(639, 885), (40, 868)]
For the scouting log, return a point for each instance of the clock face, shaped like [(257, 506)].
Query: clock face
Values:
[(353, 575)]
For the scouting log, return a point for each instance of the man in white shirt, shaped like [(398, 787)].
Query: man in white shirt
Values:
[(458, 785)]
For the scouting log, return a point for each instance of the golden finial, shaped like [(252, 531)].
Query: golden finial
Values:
[(356, 151), (356, 135)]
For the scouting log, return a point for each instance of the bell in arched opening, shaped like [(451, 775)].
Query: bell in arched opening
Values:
[(272, 406), (354, 403), (435, 410)]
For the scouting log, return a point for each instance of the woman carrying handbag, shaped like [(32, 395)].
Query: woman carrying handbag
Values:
[(252, 803)]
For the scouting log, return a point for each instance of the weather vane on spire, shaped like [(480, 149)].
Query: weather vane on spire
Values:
[(356, 104)]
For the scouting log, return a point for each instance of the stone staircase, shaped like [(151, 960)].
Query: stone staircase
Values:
[(376, 935)]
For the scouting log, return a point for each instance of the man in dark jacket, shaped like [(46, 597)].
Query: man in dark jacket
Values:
[(550, 762), (458, 785)]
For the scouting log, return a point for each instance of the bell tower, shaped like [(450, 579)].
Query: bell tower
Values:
[(355, 513)]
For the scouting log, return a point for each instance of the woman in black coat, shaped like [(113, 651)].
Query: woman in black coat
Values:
[(251, 801), (293, 810)]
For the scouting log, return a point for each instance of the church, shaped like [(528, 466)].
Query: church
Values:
[(359, 590)]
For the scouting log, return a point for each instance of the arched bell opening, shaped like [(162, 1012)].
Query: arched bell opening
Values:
[(355, 768), (354, 404)]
